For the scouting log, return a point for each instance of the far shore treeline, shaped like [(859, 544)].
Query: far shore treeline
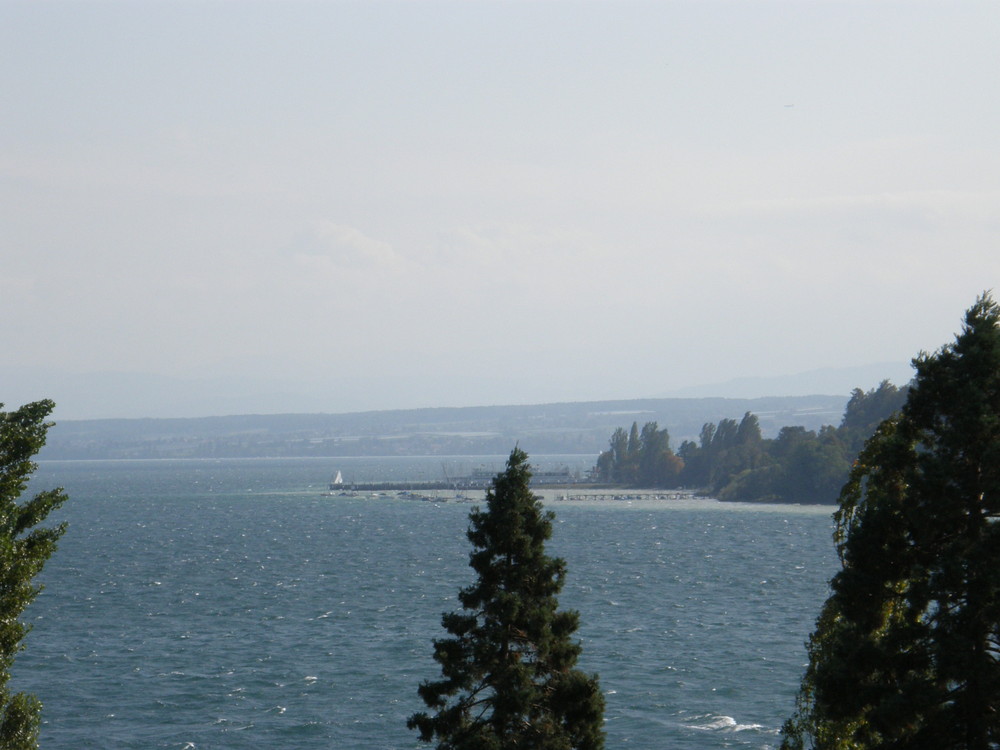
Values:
[(733, 461)]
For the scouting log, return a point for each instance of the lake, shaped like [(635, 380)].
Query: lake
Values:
[(233, 604)]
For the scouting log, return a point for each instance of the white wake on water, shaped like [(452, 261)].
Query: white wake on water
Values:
[(717, 723)]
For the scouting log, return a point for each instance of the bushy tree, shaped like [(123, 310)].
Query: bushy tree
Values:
[(508, 677), (865, 411), (658, 466), (613, 463), (735, 463), (725, 451), (906, 652), (23, 551), (697, 457), (640, 458)]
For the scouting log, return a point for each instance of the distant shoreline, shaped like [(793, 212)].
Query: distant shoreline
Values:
[(544, 429)]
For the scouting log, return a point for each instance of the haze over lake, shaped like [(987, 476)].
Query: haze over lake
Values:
[(334, 207)]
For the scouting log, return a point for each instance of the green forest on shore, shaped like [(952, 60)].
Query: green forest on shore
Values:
[(733, 461)]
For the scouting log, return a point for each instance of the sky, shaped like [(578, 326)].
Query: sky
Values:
[(345, 206)]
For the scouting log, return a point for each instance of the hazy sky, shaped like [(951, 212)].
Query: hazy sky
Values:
[(421, 203)]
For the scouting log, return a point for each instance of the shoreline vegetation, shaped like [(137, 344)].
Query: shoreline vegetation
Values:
[(734, 461)]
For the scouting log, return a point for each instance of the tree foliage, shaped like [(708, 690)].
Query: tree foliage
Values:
[(23, 551), (906, 651), (733, 461), (508, 677), (641, 458)]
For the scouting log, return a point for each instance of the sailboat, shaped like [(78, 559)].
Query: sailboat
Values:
[(337, 483)]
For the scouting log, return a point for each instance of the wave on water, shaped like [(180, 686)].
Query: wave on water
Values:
[(719, 723)]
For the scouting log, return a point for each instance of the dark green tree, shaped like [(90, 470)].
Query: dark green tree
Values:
[(736, 448), (697, 457), (612, 464), (865, 411), (658, 466), (23, 551), (634, 445), (508, 677), (640, 458), (906, 652)]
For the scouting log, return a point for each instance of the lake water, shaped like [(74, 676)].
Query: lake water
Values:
[(230, 604)]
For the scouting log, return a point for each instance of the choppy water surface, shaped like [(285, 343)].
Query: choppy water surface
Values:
[(229, 604)]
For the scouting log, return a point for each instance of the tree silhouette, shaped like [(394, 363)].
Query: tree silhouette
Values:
[(508, 677)]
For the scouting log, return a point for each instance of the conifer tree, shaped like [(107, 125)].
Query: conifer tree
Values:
[(508, 677), (23, 551), (906, 652)]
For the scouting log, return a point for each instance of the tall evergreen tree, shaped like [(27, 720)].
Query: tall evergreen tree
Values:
[(906, 653), (23, 551), (508, 677)]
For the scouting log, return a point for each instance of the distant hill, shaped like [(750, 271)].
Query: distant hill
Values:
[(826, 380), (102, 395), (568, 428)]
